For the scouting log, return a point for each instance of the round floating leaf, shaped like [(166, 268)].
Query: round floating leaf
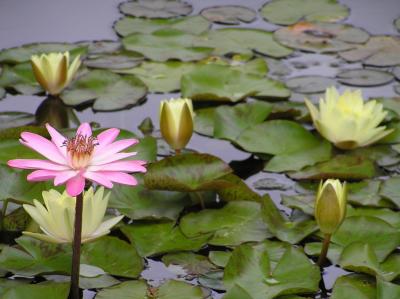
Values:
[(11, 119), (387, 290), (102, 46), (134, 289), (287, 12), (220, 258), (115, 61), (364, 77), (193, 264), (321, 37), (174, 289), (223, 83), (309, 84), (387, 215), (38, 291), (157, 238), (167, 44), (380, 50), (245, 41), (187, 172), (24, 53), (204, 121), (20, 78), (156, 8), (192, 24), (354, 286), (390, 190), (229, 14), (109, 91)]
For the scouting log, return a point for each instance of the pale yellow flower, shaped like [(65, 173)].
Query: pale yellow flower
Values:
[(176, 122), (346, 121), (56, 216), (53, 71), (330, 205)]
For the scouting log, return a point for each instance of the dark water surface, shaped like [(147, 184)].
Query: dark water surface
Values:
[(27, 21)]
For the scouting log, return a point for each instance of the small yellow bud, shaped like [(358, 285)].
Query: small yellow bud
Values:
[(53, 71), (346, 121), (176, 122), (330, 205)]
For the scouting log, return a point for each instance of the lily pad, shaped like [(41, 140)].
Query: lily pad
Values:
[(24, 53), (136, 289), (267, 270), (193, 264), (157, 238), (114, 61), (287, 12), (165, 44), (309, 84), (223, 83), (11, 119), (109, 91), (390, 190), (174, 289), (321, 37), (102, 46), (38, 291), (356, 286), (245, 41), (380, 50), (396, 24), (156, 8), (20, 78), (387, 290), (364, 77), (229, 14), (204, 121), (191, 24)]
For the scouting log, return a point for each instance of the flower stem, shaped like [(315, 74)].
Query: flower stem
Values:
[(324, 250), (76, 248), (3, 214), (200, 198), (178, 152)]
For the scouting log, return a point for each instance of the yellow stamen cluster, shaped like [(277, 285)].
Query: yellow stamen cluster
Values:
[(80, 149)]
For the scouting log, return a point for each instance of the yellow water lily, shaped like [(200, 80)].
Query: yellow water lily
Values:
[(346, 121), (53, 71), (176, 122), (56, 216), (330, 205)]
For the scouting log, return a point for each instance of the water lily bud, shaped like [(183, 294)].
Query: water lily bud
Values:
[(176, 122), (53, 71), (330, 205), (346, 121)]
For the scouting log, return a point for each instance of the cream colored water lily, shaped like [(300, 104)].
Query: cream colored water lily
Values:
[(330, 205), (56, 216), (53, 71), (346, 121), (176, 122)]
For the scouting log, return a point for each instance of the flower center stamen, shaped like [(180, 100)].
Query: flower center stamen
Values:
[(79, 150)]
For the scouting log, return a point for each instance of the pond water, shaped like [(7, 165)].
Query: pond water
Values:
[(27, 21)]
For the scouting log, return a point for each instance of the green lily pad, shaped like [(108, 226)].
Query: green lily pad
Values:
[(114, 61), (340, 167), (387, 215), (245, 41), (165, 44), (287, 12), (114, 256), (236, 189), (35, 257), (187, 172), (309, 84), (11, 119), (156, 8), (174, 289), (24, 53), (223, 83), (193, 264), (17, 220), (364, 77), (355, 286), (380, 50), (321, 37), (269, 269), (281, 227), (136, 289), (366, 193), (102, 46), (156, 238), (229, 14), (390, 190), (220, 258), (236, 223), (20, 78), (387, 290), (109, 91), (204, 121), (38, 291), (192, 24)]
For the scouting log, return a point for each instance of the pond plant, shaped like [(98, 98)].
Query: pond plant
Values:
[(252, 175)]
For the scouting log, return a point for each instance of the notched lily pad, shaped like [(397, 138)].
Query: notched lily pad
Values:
[(364, 77), (309, 84), (229, 14), (321, 37), (356, 286), (156, 8), (19, 78), (114, 61), (109, 91), (288, 12)]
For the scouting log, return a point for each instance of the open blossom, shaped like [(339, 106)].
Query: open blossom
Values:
[(71, 161), (56, 217)]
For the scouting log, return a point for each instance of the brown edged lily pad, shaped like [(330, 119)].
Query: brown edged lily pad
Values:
[(156, 8), (229, 14)]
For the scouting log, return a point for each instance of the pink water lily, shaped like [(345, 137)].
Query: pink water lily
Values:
[(72, 161)]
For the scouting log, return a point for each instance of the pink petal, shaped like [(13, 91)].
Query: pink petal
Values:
[(36, 164), (115, 147), (99, 178), (84, 130), (106, 137), (120, 177), (41, 175), (43, 146), (111, 158), (75, 185), (57, 139), (126, 166), (64, 176)]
